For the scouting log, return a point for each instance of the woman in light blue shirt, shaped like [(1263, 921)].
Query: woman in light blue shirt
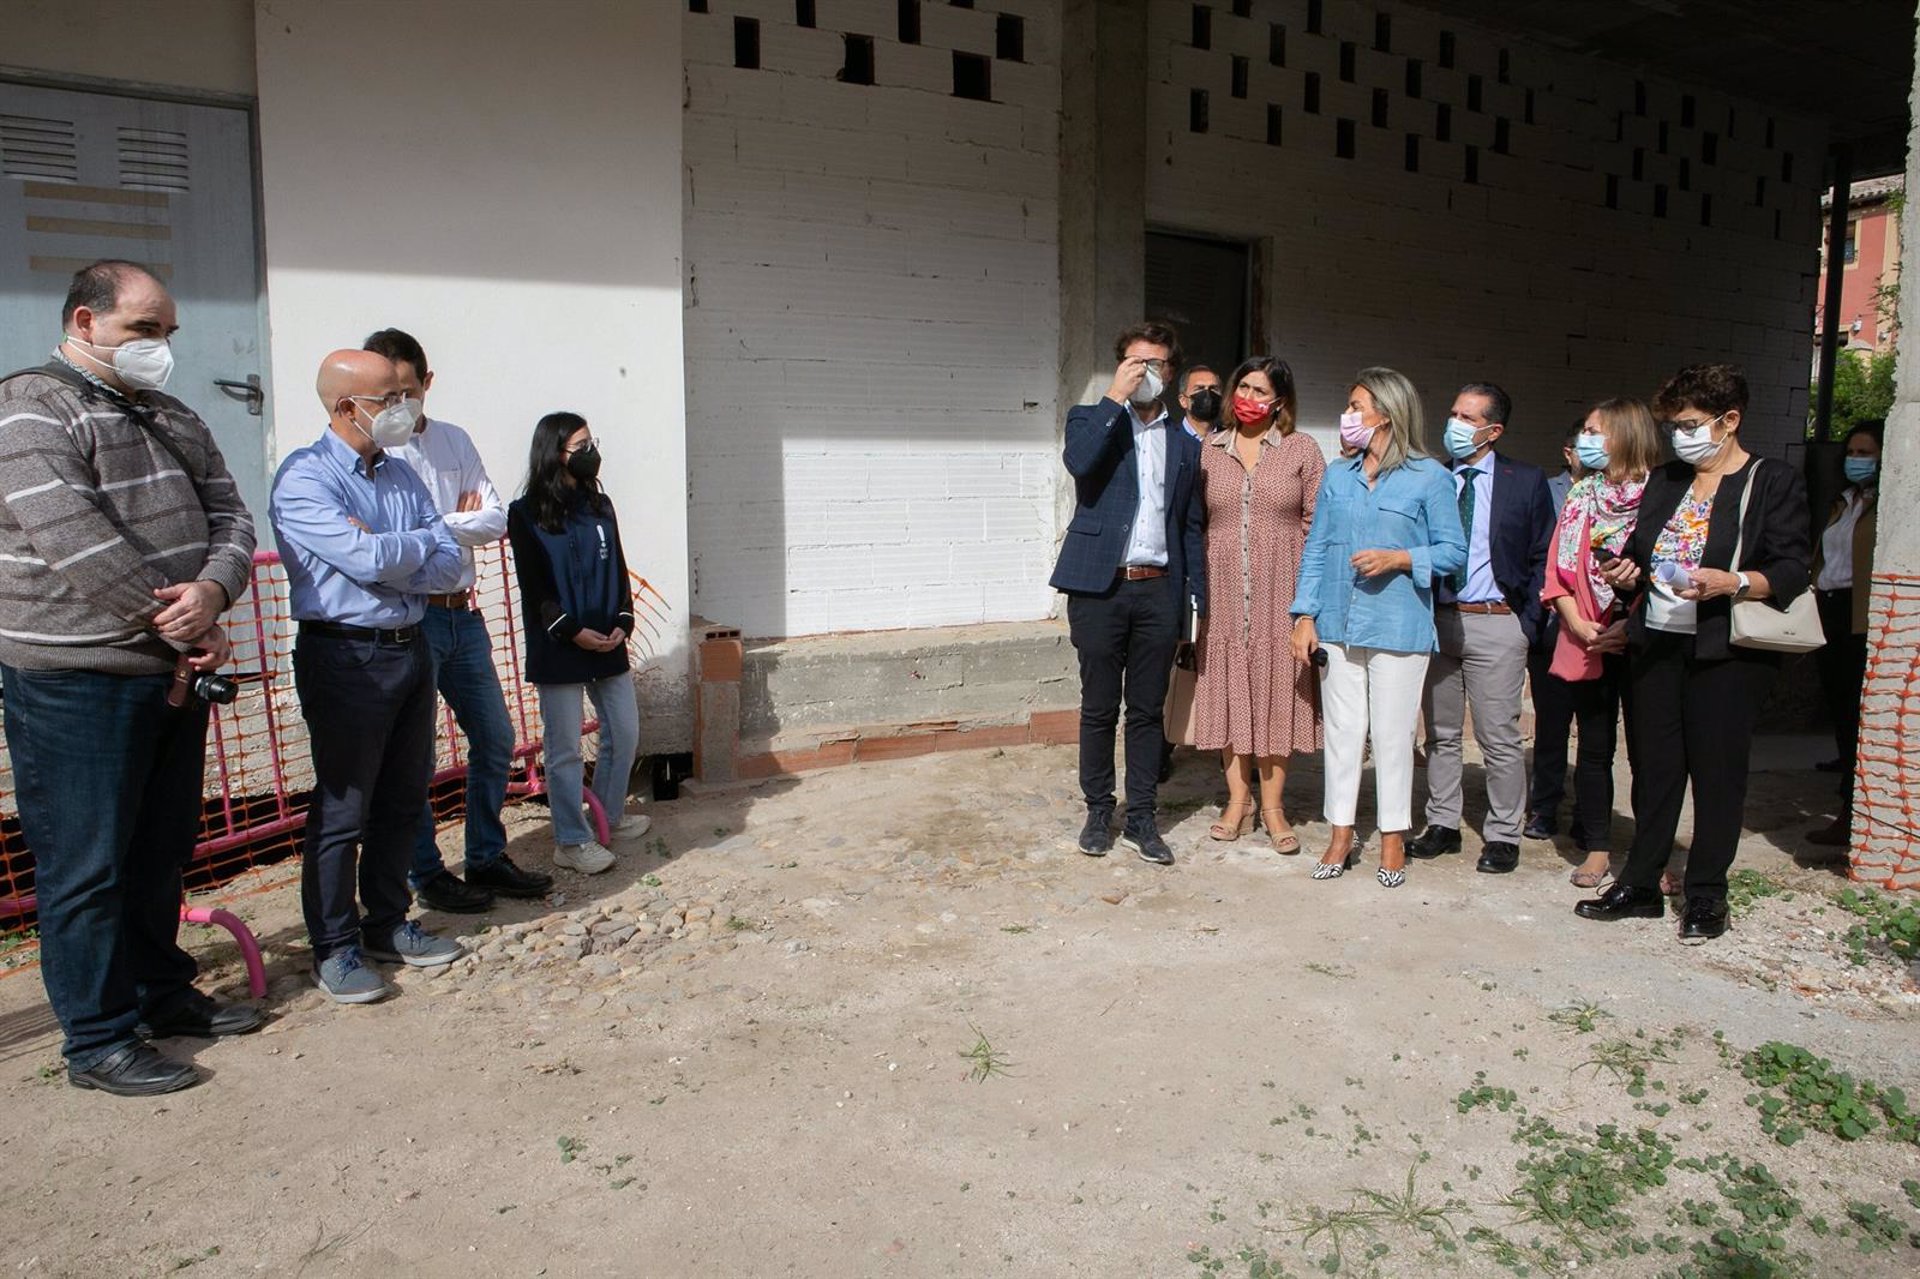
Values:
[(1386, 527)]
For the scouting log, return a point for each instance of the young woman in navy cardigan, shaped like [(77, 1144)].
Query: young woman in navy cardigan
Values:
[(577, 606)]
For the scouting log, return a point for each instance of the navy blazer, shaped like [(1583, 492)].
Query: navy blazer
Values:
[(1099, 457), (1520, 528)]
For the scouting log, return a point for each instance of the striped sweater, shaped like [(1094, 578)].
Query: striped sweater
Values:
[(96, 514)]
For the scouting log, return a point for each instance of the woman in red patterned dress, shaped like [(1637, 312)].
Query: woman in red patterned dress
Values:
[(1252, 701)]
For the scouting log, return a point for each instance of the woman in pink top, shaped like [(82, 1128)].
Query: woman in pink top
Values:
[(1618, 445)]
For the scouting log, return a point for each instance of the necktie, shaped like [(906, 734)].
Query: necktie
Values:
[(1457, 581)]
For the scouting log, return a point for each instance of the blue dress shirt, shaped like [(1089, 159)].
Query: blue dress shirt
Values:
[(379, 577), (1479, 588), (1412, 509)]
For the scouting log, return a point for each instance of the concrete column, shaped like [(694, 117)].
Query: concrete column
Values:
[(1103, 198), (1886, 802)]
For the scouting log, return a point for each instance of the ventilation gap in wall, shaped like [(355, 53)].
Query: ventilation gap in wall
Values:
[(804, 14), (1776, 225), (1446, 50), (696, 6), (1310, 93), (1619, 126), (1786, 166), (1502, 135), (1010, 38), (746, 43), (1769, 133), (1760, 192), (1659, 199), (1414, 69), (961, 4), (1347, 56), (1277, 44), (1473, 164), (1413, 153), (1239, 76), (1686, 110), (1442, 122), (856, 66), (1197, 111), (1314, 16), (1383, 33), (1273, 124), (1202, 27), (909, 21), (1243, 8), (1379, 108), (1639, 97), (1639, 164), (1732, 120), (1660, 141), (1686, 175), (972, 76), (1613, 190), (1527, 110), (1503, 69), (1343, 139), (1709, 148), (1706, 210), (1475, 96)]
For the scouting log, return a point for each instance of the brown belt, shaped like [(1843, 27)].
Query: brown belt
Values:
[(1140, 572), (460, 602), (1490, 606)]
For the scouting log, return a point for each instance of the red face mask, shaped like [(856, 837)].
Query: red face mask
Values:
[(1250, 411)]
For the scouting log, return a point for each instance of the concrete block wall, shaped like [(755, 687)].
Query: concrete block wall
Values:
[(1549, 223), (872, 318)]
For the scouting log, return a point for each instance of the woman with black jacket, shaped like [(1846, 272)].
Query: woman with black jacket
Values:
[(576, 603), (1694, 693)]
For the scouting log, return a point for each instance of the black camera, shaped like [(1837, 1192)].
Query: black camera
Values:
[(217, 690)]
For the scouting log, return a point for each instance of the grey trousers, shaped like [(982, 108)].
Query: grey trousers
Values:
[(1482, 663)]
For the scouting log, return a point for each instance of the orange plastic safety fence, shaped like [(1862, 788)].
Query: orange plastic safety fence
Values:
[(1886, 826), (259, 772)]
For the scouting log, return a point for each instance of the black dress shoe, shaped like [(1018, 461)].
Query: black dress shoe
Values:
[(1623, 902), (501, 876), (445, 891), (1145, 840), (135, 1071), (1540, 826), (1835, 765), (1704, 920), (1498, 858), (1433, 842), (200, 1017), (1096, 837)]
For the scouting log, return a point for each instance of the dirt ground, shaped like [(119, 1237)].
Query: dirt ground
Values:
[(884, 1020)]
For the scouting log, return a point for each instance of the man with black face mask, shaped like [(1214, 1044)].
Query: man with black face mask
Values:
[(1200, 401)]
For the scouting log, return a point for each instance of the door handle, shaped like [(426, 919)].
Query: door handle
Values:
[(248, 390)]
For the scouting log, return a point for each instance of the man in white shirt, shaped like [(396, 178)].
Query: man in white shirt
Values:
[(456, 633)]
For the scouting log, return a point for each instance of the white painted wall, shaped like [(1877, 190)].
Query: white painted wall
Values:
[(872, 322), (201, 45), (502, 180), (1525, 278)]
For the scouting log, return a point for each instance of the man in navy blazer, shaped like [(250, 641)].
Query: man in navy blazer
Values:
[(1131, 564), (1487, 616)]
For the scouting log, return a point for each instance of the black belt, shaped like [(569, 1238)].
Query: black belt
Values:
[(337, 630)]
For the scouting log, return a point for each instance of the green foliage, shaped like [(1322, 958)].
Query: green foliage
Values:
[(1484, 1094), (1577, 1182), (1745, 887), (1862, 389), (1885, 920), (1803, 1092), (1581, 1016)]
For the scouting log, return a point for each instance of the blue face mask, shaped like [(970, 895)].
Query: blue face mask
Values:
[(1459, 438), (1861, 470), (1592, 452)]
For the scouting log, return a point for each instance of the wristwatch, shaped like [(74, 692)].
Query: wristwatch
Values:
[(1746, 585)]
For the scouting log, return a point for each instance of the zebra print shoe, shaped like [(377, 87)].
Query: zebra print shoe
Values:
[(1334, 870), (1391, 878)]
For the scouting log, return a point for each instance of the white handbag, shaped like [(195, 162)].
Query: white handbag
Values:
[(1758, 624)]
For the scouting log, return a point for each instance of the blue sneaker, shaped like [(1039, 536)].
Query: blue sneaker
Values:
[(413, 946), (348, 981)]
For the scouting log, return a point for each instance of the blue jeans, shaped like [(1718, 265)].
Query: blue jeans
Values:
[(109, 781), (463, 670), (561, 711)]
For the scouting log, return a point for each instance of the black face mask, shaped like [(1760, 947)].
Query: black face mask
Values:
[(1204, 405), (584, 464)]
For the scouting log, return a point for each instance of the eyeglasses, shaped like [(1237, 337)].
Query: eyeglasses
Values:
[(588, 446), (384, 401), (1671, 425)]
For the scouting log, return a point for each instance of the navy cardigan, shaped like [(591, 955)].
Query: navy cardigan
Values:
[(571, 580)]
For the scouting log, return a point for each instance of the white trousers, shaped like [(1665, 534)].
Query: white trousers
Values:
[(1362, 689)]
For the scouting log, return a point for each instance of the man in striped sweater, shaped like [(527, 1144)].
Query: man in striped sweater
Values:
[(122, 540)]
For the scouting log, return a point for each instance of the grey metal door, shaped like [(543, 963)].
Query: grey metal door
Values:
[(85, 176)]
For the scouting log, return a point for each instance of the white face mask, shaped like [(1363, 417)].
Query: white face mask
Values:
[(1149, 389), (1696, 445), (392, 426), (144, 364)]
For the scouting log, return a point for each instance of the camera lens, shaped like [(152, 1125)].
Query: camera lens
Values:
[(217, 689)]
